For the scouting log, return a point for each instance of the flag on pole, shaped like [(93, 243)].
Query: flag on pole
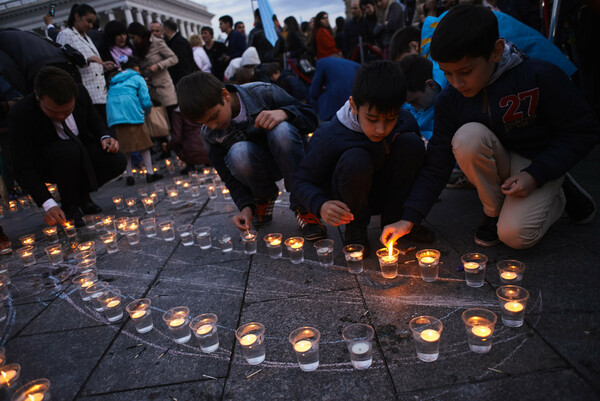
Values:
[(266, 17)]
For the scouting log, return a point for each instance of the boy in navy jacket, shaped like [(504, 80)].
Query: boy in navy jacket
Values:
[(364, 160), (515, 125), (254, 135)]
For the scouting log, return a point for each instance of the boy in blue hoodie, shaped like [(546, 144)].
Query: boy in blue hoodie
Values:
[(515, 125), (364, 160)]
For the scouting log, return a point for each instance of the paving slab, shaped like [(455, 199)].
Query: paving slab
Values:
[(207, 389)]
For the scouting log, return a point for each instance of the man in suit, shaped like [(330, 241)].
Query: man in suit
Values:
[(57, 136), (182, 49)]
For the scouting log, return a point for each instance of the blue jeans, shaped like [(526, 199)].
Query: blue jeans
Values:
[(260, 165)]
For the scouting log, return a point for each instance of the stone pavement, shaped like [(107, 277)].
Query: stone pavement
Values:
[(555, 355)]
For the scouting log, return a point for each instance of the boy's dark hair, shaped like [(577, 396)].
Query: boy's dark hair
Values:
[(197, 93), (271, 68), (81, 10), (207, 29), (227, 19), (380, 85), (401, 40), (170, 25), (55, 83), (466, 30), (417, 70), (238, 24)]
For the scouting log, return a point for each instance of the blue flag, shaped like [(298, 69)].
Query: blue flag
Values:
[(266, 16)]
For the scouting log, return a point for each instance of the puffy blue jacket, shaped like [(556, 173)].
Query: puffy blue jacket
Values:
[(128, 99), (336, 75)]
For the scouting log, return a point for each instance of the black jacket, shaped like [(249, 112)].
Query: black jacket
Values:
[(183, 50)]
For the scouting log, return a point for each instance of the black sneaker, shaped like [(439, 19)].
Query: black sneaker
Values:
[(486, 234), (311, 227), (580, 205), (129, 180), (458, 180), (153, 177), (357, 234), (420, 234), (263, 213)]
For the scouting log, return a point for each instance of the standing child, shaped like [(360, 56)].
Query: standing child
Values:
[(128, 102)]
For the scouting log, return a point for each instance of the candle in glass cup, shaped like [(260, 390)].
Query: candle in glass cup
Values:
[(388, 260), (426, 331), (212, 192), (55, 253), (149, 226), (353, 254), (173, 193), (226, 194), (324, 250), (110, 242), (141, 314), (27, 240), (273, 243), (511, 271), (51, 234), (27, 255), (195, 191), (94, 291), (86, 246), (186, 234), (295, 248), (132, 233), (249, 241), (69, 227), (177, 320), (118, 201), (37, 390), (479, 325), (131, 204), (305, 342), (9, 374), (205, 330), (359, 340), (148, 205), (5, 248), (474, 265), (12, 206), (429, 263), (108, 222), (52, 189), (251, 339), (225, 243), (143, 192), (513, 300), (159, 187), (167, 228), (203, 234), (111, 301)]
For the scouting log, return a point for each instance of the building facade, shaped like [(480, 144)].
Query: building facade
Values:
[(27, 15)]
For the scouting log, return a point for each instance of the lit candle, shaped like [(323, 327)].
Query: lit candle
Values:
[(50, 230), (513, 307), (26, 254), (471, 266), (248, 339), (172, 193), (225, 191), (275, 242), (508, 275), (117, 200), (28, 241), (211, 188), (166, 227), (86, 284), (106, 220), (148, 201), (155, 169), (206, 171), (177, 322), (130, 202), (427, 259), (167, 162), (296, 245), (35, 397), (113, 303), (302, 346), (55, 252), (7, 376), (430, 335), (481, 331), (356, 255), (138, 313), (205, 328)]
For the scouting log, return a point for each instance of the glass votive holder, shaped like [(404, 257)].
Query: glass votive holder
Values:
[(27, 240), (4, 283), (178, 181), (354, 258), (426, 331), (111, 301), (205, 329), (131, 205), (513, 300), (51, 234), (82, 282), (226, 194), (141, 314), (511, 271), (24, 202), (149, 226), (177, 320), (69, 228), (36, 390), (110, 242), (133, 235), (212, 192), (94, 291), (186, 185), (12, 206), (388, 262), (295, 248), (359, 340), (273, 243), (27, 255), (159, 187), (120, 224), (249, 241), (173, 193), (9, 374), (86, 266), (195, 191), (251, 338), (148, 205), (83, 256), (55, 253), (474, 265), (324, 249), (90, 222), (203, 234), (186, 234), (479, 324), (86, 246), (143, 192), (118, 201), (225, 243), (429, 260), (305, 342), (167, 228)]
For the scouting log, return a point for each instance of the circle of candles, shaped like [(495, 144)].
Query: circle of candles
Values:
[(430, 335), (513, 306), (302, 346), (508, 275), (481, 331), (471, 266), (205, 328), (248, 339)]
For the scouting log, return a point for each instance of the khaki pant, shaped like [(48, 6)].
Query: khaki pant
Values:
[(522, 221)]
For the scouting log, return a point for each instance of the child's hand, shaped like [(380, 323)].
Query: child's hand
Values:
[(269, 119), (243, 219), (392, 232), (336, 212), (520, 185)]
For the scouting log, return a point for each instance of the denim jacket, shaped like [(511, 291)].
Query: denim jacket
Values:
[(256, 96)]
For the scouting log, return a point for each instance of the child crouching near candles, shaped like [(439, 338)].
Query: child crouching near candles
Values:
[(364, 160), (128, 101)]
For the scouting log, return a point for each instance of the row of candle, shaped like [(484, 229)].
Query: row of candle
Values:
[(36, 390), (13, 206)]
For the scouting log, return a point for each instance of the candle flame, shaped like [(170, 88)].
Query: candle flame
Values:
[(390, 247)]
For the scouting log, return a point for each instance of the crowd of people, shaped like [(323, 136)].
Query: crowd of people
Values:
[(397, 107)]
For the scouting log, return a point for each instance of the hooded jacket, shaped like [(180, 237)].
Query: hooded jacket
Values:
[(534, 110), (312, 182), (128, 99)]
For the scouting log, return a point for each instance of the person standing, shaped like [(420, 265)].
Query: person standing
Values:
[(236, 42), (215, 50), (182, 49), (322, 42)]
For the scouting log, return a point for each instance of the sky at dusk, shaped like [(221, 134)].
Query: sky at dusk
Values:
[(303, 10)]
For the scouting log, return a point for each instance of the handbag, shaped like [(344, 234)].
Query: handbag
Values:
[(157, 122)]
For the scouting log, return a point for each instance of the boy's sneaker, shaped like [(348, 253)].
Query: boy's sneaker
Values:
[(420, 234), (263, 213), (580, 205), (310, 225), (458, 180), (357, 234), (486, 234)]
